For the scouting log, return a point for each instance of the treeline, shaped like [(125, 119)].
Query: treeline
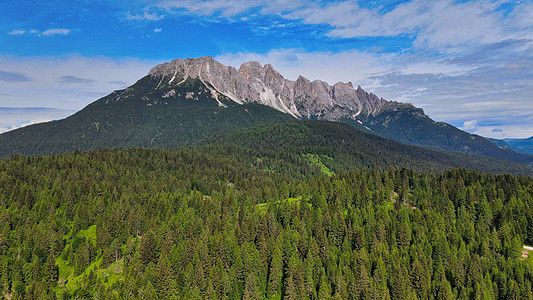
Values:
[(186, 224)]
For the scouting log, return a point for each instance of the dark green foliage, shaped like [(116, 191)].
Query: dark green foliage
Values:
[(341, 147), (191, 224)]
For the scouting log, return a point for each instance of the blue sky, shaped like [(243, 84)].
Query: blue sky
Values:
[(468, 63)]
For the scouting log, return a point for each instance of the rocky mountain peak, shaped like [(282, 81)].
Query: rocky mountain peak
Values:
[(254, 82)]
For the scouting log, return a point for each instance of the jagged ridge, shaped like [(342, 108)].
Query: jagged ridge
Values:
[(252, 82)]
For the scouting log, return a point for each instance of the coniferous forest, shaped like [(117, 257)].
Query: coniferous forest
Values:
[(193, 224)]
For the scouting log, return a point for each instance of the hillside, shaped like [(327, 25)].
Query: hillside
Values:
[(341, 147), (186, 224), (140, 117), (408, 124), (521, 145)]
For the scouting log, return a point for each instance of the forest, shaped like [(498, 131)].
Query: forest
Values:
[(191, 224)]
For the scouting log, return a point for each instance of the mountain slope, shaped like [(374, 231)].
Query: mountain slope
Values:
[(140, 116), (408, 124), (519, 145), (340, 147)]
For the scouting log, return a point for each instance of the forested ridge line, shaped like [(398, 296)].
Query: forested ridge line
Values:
[(190, 224)]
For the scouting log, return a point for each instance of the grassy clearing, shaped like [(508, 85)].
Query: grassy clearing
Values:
[(111, 274), (89, 234), (108, 275), (263, 207), (318, 160), (74, 283), (65, 270)]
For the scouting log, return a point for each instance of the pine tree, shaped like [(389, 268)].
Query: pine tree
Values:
[(275, 272), (291, 292), (420, 279), (148, 248), (324, 291), (362, 281), (51, 270), (163, 277), (399, 285), (445, 291), (251, 289)]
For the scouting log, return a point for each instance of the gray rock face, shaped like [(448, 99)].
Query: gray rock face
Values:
[(252, 82)]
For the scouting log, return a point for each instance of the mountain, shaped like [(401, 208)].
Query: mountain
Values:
[(317, 100), (186, 101), (260, 201), (518, 145)]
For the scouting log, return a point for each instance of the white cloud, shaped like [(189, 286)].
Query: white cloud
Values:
[(48, 32), (470, 125), (17, 32), (13, 118), (145, 16), (446, 26), (56, 31), (158, 30)]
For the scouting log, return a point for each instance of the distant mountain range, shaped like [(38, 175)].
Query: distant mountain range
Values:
[(191, 101), (518, 145)]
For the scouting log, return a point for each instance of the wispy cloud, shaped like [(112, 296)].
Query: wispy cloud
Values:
[(75, 80), (17, 117), (48, 32), (56, 31), (157, 29), (144, 16), (13, 77), (447, 26), (17, 32)]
